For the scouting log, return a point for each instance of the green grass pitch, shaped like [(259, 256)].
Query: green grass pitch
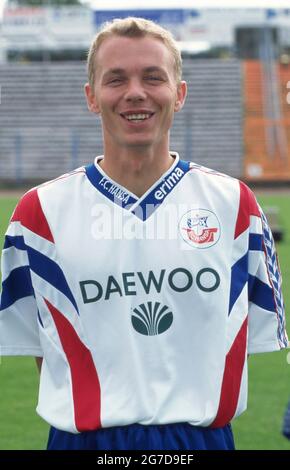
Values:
[(269, 375)]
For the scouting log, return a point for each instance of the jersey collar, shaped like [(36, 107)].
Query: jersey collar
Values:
[(144, 206)]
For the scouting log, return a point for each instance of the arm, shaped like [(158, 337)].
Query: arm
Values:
[(19, 329), (266, 306)]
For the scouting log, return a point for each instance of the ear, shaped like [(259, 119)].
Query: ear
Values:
[(180, 96), (91, 100)]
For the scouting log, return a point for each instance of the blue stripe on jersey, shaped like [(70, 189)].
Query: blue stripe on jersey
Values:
[(107, 187), (39, 318), (50, 272), (239, 278), (261, 294), (275, 279), (175, 436), (159, 193), (16, 242), (255, 242), (16, 286), (150, 203)]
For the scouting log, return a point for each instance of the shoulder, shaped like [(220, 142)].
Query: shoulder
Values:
[(30, 212), (213, 177), (195, 167), (63, 182), (225, 182), (30, 201)]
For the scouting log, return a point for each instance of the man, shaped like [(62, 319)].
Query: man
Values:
[(142, 280)]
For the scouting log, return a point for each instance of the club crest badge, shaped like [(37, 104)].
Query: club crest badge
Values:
[(200, 228)]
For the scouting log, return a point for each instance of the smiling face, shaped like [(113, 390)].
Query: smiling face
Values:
[(135, 92)]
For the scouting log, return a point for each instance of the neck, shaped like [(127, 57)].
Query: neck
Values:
[(136, 170)]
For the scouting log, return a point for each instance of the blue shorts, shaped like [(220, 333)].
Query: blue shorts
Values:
[(177, 436)]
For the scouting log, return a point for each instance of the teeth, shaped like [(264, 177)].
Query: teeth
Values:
[(137, 117)]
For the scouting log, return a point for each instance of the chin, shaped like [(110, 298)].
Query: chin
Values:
[(139, 143)]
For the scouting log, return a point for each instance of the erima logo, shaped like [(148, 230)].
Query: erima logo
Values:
[(115, 190), (168, 184), (133, 283), (151, 318)]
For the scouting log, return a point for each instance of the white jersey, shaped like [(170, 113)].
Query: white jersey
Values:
[(144, 309)]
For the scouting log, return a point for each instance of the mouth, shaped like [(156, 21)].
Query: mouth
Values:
[(136, 117)]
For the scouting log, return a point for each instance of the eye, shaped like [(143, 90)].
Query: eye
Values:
[(115, 81), (154, 78)]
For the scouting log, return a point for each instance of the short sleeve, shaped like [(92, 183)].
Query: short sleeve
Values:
[(18, 309), (266, 307)]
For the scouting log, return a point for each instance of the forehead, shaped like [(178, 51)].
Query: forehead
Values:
[(138, 53)]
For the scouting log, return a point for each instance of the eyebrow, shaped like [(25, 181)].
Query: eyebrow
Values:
[(114, 72), (120, 71), (154, 68)]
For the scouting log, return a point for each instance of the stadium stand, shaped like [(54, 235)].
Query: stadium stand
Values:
[(266, 120), (46, 129)]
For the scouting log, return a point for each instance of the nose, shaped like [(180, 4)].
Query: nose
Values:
[(135, 90)]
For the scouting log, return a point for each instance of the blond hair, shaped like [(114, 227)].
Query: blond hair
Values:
[(133, 28)]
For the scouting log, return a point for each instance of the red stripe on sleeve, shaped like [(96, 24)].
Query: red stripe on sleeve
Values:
[(248, 206), (85, 382), (29, 212), (231, 384)]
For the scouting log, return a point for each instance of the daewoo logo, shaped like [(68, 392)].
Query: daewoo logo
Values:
[(168, 184), (151, 318), (134, 283)]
